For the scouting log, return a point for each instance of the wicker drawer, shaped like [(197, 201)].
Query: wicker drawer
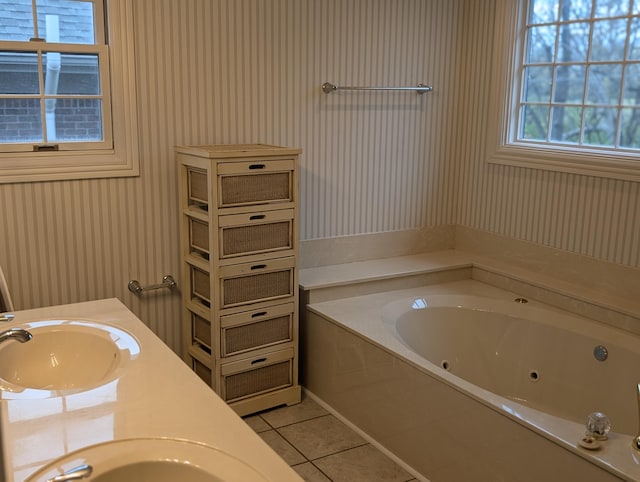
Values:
[(256, 329), (198, 237), (202, 370), (254, 282), (255, 182), (253, 233), (200, 285), (200, 331), (257, 375), (197, 186)]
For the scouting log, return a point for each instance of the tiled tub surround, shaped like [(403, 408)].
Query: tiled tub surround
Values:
[(157, 395), (428, 417)]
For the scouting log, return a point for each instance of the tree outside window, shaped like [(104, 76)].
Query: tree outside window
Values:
[(580, 77)]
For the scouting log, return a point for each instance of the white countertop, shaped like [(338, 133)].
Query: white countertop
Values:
[(157, 395)]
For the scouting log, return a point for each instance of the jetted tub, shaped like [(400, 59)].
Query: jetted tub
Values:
[(464, 381), (557, 363)]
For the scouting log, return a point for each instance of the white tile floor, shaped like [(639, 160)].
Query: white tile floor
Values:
[(321, 448)]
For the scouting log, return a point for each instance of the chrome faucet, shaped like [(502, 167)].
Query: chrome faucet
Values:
[(17, 334), (77, 473)]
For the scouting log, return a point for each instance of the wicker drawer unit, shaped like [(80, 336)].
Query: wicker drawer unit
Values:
[(240, 256)]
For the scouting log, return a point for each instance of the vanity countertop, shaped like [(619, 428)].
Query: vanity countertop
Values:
[(157, 395)]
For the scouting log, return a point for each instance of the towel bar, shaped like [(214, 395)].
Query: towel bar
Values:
[(328, 87), (136, 288)]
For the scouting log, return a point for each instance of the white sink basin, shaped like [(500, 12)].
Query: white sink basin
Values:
[(152, 460), (64, 356)]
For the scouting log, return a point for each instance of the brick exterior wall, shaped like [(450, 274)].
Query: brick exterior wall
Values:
[(76, 120)]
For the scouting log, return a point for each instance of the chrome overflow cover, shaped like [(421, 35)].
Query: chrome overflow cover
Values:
[(600, 353)]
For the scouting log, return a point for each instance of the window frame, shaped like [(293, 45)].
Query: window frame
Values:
[(101, 51), (118, 159), (502, 146)]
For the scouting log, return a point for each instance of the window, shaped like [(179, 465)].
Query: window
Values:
[(571, 74), (66, 90)]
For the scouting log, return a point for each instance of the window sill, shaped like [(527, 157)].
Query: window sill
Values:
[(589, 163), (17, 167)]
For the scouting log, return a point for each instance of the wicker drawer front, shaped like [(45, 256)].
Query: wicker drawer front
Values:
[(252, 233), (257, 375), (197, 186), (251, 283), (200, 331), (199, 237), (256, 329), (203, 371), (259, 182), (200, 285)]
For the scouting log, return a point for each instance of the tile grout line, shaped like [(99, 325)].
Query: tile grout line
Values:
[(297, 421), (328, 413), (340, 451)]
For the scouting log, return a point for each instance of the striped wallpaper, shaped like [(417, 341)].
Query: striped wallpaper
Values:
[(238, 71)]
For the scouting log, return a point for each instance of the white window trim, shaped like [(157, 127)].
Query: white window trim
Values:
[(501, 149), (120, 161)]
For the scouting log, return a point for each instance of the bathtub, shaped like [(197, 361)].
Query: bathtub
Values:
[(465, 381)]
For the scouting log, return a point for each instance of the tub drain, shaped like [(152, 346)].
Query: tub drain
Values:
[(534, 376), (445, 365)]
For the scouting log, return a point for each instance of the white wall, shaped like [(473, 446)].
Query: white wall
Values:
[(223, 71)]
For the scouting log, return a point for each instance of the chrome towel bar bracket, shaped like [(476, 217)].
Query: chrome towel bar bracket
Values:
[(167, 282), (328, 87)]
